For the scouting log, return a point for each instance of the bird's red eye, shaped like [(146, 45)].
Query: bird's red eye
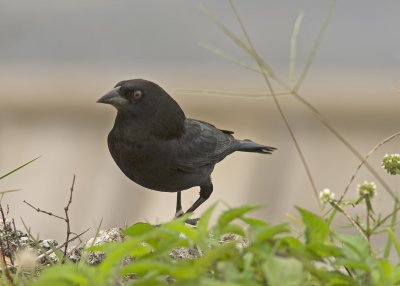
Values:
[(136, 95)]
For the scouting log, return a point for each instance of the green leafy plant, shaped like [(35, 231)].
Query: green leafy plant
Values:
[(258, 253)]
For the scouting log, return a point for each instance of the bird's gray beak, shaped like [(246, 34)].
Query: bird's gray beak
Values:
[(113, 97)]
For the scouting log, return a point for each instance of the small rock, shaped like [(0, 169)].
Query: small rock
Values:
[(48, 244)]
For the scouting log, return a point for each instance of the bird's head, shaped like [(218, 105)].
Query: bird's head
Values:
[(145, 101)]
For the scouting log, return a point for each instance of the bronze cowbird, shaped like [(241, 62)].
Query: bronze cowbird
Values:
[(157, 147)]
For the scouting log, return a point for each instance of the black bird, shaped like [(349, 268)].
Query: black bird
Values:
[(157, 147)]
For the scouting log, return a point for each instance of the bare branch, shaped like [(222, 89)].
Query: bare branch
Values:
[(6, 234), (66, 218), (42, 211), (66, 209)]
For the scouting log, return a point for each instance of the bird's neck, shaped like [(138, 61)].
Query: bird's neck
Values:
[(163, 126)]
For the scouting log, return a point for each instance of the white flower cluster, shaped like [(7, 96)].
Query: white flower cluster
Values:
[(367, 190), (391, 163), (326, 196)]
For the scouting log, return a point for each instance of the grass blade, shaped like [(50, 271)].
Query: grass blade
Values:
[(316, 45), (227, 93), (293, 48), (18, 168), (2, 193), (239, 42)]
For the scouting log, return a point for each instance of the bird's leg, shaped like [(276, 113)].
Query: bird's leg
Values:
[(179, 211), (205, 193)]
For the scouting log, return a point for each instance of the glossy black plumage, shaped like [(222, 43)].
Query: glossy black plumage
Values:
[(156, 146)]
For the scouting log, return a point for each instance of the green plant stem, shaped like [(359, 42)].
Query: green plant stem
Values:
[(392, 215), (368, 231), (336, 206), (393, 222)]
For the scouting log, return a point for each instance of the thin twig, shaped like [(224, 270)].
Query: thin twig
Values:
[(351, 220), (391, 215), (6, 234), (45, 212), (265, 75), (16, 233), (67, 218), (3, 256), (364, 160)]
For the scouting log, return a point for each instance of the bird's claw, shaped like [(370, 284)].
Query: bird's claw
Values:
[(192, 221)]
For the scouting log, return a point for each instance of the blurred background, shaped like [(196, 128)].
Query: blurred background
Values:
[(58, 57)]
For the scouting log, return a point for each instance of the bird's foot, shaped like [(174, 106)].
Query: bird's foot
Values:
[(192, 221), (179, 213)]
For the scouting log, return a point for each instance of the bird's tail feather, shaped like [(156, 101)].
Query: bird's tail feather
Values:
[(250, 146)]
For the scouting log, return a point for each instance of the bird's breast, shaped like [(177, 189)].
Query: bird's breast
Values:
[(146, 162)]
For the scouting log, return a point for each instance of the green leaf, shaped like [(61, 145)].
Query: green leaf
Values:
[(181, 271), (67, 274), (232, 214), (290, 242), (355, 247), (114, 257), (317, 230), (139, 250), (218, 253), (234, 228), (269, 232), (145, 266), (396, 275), (181, 227), (202, 224), (393, 239), (281, 271), (351, 263), (384, 273), (324, 250), (139, 228), (150, 278), (254, 222)]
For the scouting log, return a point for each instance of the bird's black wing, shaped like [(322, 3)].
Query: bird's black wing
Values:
[(203, 144), (209, 124)]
